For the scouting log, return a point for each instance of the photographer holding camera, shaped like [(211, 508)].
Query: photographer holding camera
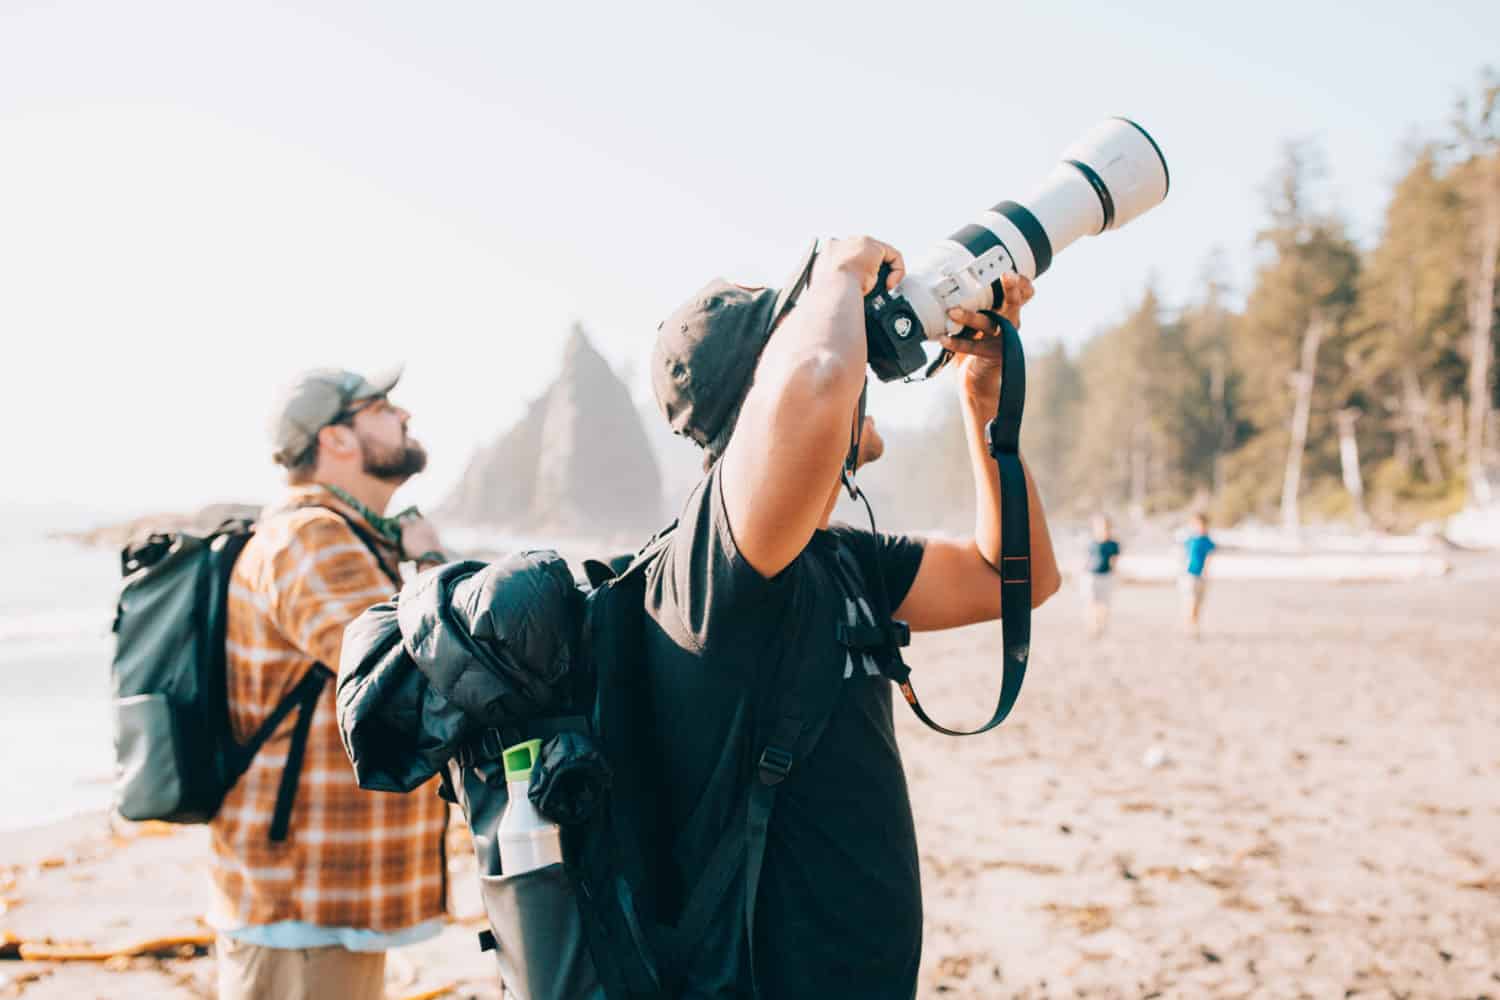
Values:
[(755, 594)]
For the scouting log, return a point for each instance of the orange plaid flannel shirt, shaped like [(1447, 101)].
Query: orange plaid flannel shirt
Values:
[(352, 858)]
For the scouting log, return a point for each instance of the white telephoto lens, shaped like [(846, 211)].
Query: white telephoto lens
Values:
[(1112, 174), (1130, 165)]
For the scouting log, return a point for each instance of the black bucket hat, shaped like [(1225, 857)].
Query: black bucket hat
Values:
[(706, 352)]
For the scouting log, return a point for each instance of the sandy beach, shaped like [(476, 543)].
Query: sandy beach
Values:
[(1302, 803)]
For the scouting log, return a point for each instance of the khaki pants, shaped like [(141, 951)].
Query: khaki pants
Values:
[(250, 972)]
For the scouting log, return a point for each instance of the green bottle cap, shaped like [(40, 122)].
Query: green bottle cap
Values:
[(520, 759)]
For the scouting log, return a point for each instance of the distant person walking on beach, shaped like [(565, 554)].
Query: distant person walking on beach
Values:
[(1099, 575), (311, 913), (1198, 546)]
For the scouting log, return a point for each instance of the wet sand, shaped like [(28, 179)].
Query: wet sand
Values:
[(1321, 820), (1303, 802)]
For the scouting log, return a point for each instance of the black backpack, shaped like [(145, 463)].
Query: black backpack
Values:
[(175, 753), (595, 927)]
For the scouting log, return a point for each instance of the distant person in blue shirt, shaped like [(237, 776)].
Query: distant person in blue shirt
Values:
[(1099, 575), (1192, 583)]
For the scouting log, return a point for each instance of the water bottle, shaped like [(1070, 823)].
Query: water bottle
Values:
[(527, 841)]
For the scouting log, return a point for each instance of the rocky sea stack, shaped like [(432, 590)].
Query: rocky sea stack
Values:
[(578, 463)]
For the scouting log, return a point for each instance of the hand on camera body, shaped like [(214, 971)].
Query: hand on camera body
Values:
[(980, 352), (860, 257)]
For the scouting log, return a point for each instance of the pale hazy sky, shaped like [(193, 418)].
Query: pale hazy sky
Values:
[(198, 199)]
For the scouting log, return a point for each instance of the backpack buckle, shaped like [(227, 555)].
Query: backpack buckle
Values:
[(894, 668), (775, 765), (487, 746), (490, 744), (899, 633)]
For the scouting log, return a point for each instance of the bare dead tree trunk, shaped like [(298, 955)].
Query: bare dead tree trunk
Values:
[(1403, 448), (1481, 323), (1354, 482), (1123, 461), (1160, 477), (1302, 383), (1139, 458), (1453, 429), (1414, 404), (1218, 376)]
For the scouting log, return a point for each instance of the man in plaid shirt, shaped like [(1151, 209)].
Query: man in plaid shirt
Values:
[(358, 872)]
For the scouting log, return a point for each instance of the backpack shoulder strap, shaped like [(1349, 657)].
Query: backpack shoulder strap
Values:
[(795, 706), (391, 573), (388, 571), (804, 703), (303, 697), (312, 685)]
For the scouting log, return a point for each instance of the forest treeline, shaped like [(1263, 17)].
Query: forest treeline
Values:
[(1347, 382)]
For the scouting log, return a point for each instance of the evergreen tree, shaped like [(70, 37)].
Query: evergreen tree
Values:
[(1122, 451), (1477, 143), (1408, 325), (1297, 310), (1054, 398), (1212, 425)]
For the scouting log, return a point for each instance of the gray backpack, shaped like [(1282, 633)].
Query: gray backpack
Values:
[(175, 753)]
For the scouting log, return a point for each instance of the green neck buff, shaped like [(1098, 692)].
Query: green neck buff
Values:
[(388, 528)]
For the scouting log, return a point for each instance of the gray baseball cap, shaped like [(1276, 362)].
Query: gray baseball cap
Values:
[(706, 351), (316, 399)]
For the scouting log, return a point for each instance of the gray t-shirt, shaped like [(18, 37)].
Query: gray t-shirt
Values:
[(840, 909)]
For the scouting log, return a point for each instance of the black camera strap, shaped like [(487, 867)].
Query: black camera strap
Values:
[(1003, 440)]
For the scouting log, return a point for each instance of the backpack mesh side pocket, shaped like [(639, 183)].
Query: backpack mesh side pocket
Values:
[(539, 936), (149, 779)]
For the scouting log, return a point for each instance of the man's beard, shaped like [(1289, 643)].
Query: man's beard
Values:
[(393, 465)]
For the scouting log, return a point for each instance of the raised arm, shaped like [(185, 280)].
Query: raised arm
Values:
[(793, 431), (957, 583)]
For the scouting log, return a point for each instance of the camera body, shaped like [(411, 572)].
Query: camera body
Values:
[(1107, 178), (893, 331)]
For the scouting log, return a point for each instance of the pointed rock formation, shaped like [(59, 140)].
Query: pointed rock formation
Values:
[(578, 463)]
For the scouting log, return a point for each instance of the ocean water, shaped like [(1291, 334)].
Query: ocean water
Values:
[(56, 605), (57, 600)]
